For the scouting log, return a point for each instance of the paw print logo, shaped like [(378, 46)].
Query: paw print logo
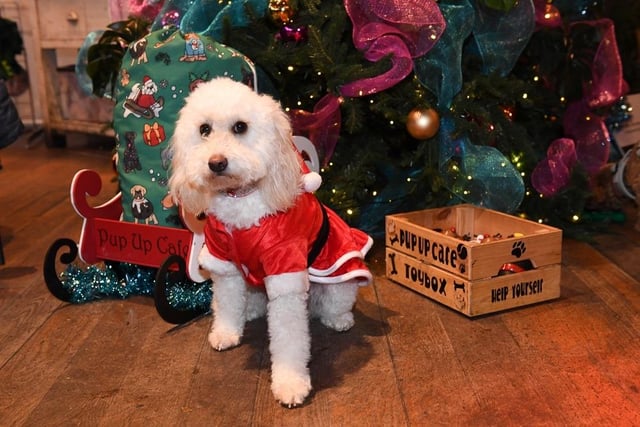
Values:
[(462, 255), (518, 249), (462, 251)]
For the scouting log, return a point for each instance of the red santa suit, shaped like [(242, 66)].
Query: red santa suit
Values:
[(145, 100), (281, 244)]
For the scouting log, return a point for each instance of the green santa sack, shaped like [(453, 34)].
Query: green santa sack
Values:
[(157, 73)]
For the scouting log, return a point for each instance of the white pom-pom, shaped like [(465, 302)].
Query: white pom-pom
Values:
[(311, 181)]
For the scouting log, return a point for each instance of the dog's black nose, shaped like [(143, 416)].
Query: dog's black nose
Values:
[(218, 164)]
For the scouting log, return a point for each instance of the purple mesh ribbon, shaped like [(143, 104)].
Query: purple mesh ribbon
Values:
[(322, 126), (401, 29), (553, 173), (587, 130)]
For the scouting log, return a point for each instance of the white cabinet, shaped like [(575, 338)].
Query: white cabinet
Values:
[(65, 23), (62, 26)]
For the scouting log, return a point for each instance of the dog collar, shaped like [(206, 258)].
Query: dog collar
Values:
[(241, 192)]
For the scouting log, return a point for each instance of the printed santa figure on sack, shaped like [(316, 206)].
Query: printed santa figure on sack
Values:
[(142, 101)]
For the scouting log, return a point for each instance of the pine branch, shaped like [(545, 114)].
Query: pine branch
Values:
[(320, 58)]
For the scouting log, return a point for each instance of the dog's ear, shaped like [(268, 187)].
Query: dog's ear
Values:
[(282, 125), (183, 192), (282, 184)]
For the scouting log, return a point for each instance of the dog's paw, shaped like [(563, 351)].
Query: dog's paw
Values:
[(342, 322), (290, 388), (222, 340)]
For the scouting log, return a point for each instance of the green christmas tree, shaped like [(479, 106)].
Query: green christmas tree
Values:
[(488, 86), (379, 164)]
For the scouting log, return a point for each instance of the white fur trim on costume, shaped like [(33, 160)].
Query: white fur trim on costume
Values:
[(363, 277), (194, 271), (344, 258), (367, 246), (216, 265), (311, 182), (286, 283)]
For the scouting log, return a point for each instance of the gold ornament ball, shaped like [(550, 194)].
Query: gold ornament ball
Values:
[(423, 123)]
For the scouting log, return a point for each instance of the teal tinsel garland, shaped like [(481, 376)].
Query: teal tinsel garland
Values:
[(190, 296), (94, 282), (124, 280)]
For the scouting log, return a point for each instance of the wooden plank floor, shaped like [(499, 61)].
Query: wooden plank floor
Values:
[(408, 361)]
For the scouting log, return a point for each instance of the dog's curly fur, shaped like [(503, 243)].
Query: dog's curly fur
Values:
[(229, 140), (200, 190)]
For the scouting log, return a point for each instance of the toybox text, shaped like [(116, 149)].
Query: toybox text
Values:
[(422, 278)]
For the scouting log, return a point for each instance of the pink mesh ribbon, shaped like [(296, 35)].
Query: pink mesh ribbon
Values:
[(553, 173), (587, 130), (401, 29), (590, 135), (322, 126), (145, 8), (607, 84)]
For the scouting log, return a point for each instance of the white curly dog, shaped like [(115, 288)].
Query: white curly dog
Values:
[(270, 246)]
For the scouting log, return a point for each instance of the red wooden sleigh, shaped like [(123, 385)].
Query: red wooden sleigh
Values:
[(104, 238)]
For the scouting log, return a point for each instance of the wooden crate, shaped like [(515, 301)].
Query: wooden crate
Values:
[(469, 275)]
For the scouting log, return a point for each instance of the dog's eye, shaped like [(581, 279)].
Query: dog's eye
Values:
[(205, 129), (239, 127)]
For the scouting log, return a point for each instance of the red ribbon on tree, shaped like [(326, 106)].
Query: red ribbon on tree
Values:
[(322, 126)]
